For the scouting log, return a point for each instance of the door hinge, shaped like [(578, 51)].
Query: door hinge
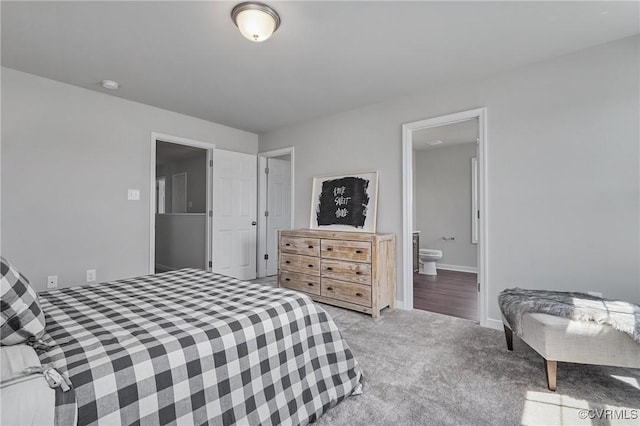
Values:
[(266, 170), (266, 213), (210, 262), (210, 163), (478, 214), (478, 287), (266, 257), (210, 213)]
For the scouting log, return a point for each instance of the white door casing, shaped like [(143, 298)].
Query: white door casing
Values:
[(234, 214), (263, 247), (160, 137), (407, 195), (278, 206)]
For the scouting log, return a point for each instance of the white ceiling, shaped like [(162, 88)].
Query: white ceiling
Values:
[(449, 134), (328, 56)]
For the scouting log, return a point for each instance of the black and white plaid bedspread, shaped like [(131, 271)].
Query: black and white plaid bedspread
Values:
[(192, 347)]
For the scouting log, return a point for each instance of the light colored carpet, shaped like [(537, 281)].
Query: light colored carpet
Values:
[(423, 368)]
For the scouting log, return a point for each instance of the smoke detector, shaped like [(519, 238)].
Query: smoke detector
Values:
[(110, 84)]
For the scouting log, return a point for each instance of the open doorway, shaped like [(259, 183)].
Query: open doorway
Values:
[(422, 139), (181, 204), (446, 255), (275, 205)]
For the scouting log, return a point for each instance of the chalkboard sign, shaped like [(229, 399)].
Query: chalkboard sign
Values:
[(345, 202)]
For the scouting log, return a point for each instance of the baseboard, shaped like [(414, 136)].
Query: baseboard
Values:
[(495, 324), (457, 268)]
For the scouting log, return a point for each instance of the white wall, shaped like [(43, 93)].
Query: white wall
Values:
[(563, 172), (68, 157), (442, 199)]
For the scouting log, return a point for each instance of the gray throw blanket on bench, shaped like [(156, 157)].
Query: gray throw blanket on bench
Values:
[(623, 316)]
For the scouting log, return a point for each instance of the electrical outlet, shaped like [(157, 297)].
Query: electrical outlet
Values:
[(52, 281), (91, 275)]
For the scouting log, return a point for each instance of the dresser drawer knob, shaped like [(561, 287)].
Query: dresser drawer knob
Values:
[(359, 294), (310, 266), (358, 273), (287, 279), (288, 244), (329, 288), (310, 284), (310, 247), (358, 251), (329, 248), (287, 261), (329, 268)]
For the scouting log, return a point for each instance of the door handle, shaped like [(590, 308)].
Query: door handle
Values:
[(254, 223)]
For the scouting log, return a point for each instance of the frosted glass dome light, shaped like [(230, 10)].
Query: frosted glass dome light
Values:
[(256, 21)]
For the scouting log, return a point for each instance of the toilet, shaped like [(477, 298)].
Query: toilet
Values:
[(428, 258)]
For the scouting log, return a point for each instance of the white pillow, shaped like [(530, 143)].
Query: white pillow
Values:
[(26, 399)]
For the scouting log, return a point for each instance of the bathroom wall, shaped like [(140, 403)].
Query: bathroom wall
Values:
[(442, 199)]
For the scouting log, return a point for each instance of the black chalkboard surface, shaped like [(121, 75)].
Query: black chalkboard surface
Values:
[(345, 202)]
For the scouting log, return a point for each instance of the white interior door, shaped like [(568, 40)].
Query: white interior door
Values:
[(278, 206), (234, 214)]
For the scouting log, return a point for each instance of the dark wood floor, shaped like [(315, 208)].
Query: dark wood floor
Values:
[(450, 293)]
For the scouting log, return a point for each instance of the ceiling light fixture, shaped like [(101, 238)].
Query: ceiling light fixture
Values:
[(256, 21), (110, 84)]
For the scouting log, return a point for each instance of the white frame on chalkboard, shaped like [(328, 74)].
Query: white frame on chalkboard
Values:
[(372, 191)]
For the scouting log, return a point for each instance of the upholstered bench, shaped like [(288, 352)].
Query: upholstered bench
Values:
[(559, 339)]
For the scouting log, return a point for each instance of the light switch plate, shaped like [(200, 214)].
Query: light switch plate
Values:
[(91, 275), (133, 194)]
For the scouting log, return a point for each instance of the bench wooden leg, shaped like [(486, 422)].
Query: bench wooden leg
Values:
[(508, 334), (551, 368)]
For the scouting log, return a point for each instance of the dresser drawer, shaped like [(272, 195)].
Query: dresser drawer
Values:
[(349, 292), (357, 251), (298, 245), (301, 282), (346, 271), (297, 263)]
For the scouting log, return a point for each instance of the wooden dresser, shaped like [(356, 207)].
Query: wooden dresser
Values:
[(349, 269)]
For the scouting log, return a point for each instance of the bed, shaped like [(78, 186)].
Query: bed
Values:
[(192, 347)]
